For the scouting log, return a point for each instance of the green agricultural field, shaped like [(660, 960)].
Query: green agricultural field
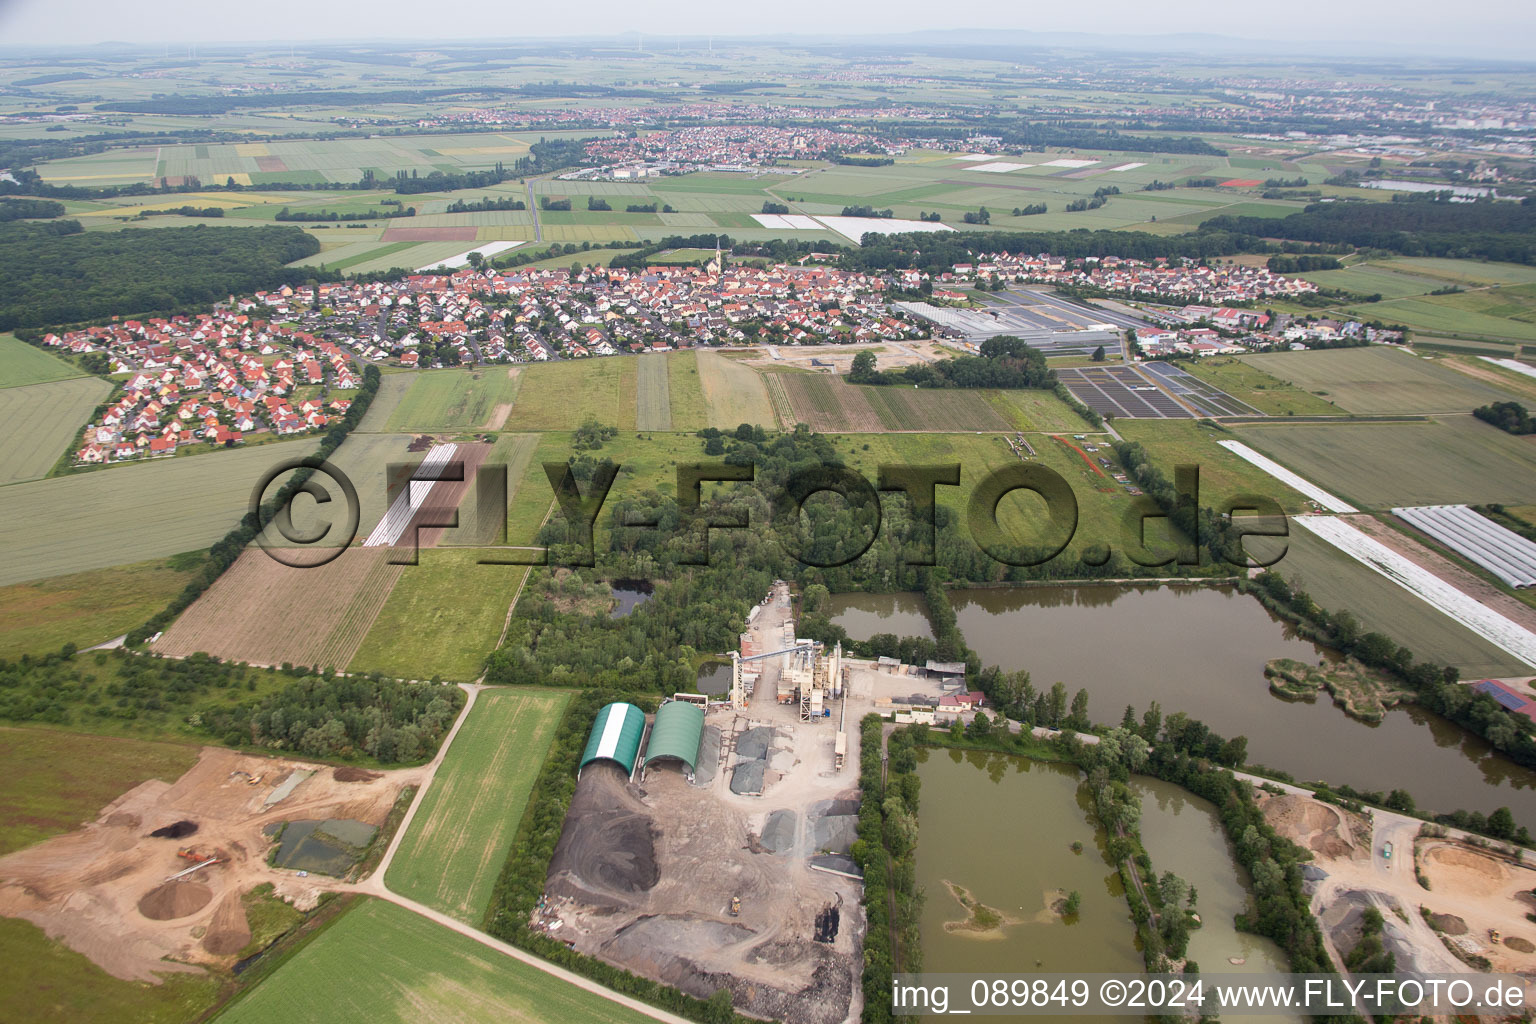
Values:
[(734, 394), (563, 395), (478, 399), (1336, 581), (56, 985), (1036, 410), (87, 608), (1381, 465), (442, 619), (298, 161), (931, 409), (44, 419), (393, 389), (515, 452), (1481, 314), (1465, 272), (1377, 381), (130, 513), (21, 363), (653, 394), (56, 780), (381, 963), (1102, 504), (450, 858), (827, 404), (690, 410), (1222, 474), (1388, 281), (1263, 391)]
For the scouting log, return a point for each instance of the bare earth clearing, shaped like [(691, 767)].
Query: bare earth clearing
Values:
[(103, 890), (1471, 890)]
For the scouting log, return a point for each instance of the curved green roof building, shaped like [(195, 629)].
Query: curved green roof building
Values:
[(677, 732), (615, 737)]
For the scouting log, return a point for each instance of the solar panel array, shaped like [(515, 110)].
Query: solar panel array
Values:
[(1204, 396), (1121, 392)]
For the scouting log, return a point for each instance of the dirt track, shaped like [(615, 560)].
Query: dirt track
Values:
[(91, 889)]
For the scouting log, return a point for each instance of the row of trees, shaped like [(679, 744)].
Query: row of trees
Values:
[(886, 850), (333, 216), (1004, 362), (316, 715)]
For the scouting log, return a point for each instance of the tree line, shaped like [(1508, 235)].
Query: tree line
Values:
[(59, 274), (1480, 230)]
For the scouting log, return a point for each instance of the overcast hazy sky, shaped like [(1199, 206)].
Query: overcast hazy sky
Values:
[(1494, 27)]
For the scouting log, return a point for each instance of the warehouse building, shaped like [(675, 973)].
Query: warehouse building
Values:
[(616, 735), (676, 735)]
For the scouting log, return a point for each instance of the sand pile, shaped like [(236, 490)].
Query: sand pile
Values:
[(170, 900), (228, 932)]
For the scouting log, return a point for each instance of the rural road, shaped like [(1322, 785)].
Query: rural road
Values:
[(374, 885), (533, 211)]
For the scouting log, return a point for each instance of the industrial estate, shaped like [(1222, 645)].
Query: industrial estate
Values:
[(595, 530)]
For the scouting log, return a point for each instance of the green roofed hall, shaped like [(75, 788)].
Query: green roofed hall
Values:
[(615, 737), (676, 733)]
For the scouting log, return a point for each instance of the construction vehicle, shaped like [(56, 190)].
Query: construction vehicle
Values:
[(1493, 936), (735, 910), (1386, 850), (193, 854)]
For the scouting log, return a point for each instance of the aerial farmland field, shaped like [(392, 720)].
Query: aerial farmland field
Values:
[(56, 779), (459, 837), (653, 394), (1379, 465), (21, 363), (933, 409), (1250, 384), (381, 963), (87, 608), (442, 618), (1335, 580), (733, 393), (685, 389), (479, 399), (267, 613), (826, 403), (130, 513), (1377, 381), (563, 395), (1102, 504), (299, 161), (49, 416)]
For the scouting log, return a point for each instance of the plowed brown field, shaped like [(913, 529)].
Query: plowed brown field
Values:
[(268, 613)]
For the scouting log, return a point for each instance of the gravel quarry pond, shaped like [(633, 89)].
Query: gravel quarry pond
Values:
[(1202, 650)]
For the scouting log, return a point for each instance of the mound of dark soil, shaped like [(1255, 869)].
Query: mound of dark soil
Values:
[(347, 773), (170, 900), (1519, 945), (608, 844), (175, 830)]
